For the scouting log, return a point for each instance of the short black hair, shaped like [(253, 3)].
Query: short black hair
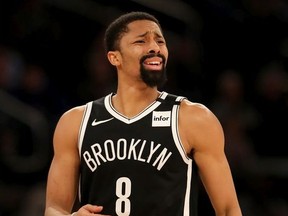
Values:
[(118, 27)]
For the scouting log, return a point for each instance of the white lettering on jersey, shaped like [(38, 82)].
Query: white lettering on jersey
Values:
[(124, 150)]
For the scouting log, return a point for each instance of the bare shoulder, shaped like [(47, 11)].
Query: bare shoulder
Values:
[(195, 111), (196, 122), (71, 118), (67, 128), (74, 112)]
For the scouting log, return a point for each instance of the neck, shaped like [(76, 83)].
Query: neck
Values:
[(130, 101)]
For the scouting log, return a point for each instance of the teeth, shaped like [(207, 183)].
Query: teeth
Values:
[(153, 63)]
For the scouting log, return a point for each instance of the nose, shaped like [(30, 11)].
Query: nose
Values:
[(153, 47)]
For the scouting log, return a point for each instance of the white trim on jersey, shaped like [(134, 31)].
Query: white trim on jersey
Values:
[(175, 131), (121, 117), (186, 159), (188, 190), (83, 125)]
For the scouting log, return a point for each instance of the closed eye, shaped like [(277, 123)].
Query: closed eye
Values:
[(139, 41), (161, 42), (143, 41)]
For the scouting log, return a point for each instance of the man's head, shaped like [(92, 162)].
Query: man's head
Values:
[(118, 27), (134, 43)]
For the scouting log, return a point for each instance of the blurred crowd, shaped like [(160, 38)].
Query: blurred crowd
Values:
[(233, 59)]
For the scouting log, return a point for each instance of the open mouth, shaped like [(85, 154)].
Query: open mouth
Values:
[(154, 63)]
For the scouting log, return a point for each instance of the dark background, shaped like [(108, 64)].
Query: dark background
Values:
[(229, 55)]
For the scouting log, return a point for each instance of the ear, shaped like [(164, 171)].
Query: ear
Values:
[(113, 57)]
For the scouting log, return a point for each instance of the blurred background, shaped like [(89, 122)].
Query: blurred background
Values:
[(230, 55)]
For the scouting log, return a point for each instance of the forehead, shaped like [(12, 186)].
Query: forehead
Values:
[(141, 27)]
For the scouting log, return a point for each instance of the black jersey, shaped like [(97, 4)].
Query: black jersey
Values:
[(135, 166)]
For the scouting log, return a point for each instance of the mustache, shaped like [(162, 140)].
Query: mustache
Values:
[(143, 58)]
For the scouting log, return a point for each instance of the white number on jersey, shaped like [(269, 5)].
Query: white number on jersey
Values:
[(123, 191)]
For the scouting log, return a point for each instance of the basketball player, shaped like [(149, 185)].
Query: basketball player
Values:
[(133, 152)]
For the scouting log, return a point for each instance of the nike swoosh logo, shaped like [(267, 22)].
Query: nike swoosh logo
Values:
[(95, 122)]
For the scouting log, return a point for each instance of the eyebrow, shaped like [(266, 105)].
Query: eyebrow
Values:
[(157, 34)]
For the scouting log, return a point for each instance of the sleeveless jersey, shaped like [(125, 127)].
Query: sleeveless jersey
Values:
[(135, 166)]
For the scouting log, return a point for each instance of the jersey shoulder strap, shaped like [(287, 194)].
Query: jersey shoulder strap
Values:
[(171, 99)]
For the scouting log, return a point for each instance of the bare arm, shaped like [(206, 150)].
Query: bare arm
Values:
[(63, 175), (203, 135)]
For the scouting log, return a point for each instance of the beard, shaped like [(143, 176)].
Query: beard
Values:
[(153, 78)]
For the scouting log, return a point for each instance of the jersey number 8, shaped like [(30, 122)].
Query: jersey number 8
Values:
[(123, 192)]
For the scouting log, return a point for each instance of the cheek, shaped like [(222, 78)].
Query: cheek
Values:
[(166, 56), (131, 62), (132, 58), (165, 52)]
